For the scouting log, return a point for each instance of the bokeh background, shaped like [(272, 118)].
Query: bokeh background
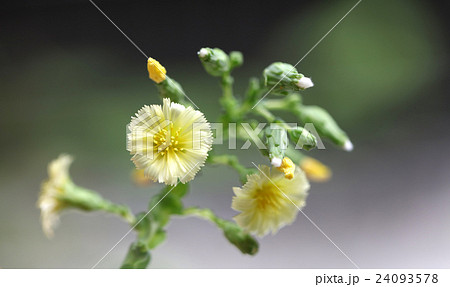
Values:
[(69, 82)]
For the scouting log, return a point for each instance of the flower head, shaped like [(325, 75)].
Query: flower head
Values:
[(52, 190), (156, 71), (58, 192), (269, 201), (315, 170), (170, 143)]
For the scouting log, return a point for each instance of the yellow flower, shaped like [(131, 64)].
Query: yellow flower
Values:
[(156, 71), (315, 170), (287, 167), (269, 201), (51, 190), (170, 143)]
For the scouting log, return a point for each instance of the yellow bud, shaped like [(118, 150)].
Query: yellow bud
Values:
[(287, 167), (156, 71), (315, 170), (138, 177)]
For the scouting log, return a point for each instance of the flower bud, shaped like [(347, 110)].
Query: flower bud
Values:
[(215, 61), (276, 143), (325, 125), (156, 71), (302, 138), (236, 59), (239, 238), (171, 89), (284, 78), (137, 257)]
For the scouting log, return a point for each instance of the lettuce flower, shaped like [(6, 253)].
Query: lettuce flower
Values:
[(169, 142), (269, 200)]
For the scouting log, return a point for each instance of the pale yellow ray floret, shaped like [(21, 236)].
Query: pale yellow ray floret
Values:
[(269, 201)]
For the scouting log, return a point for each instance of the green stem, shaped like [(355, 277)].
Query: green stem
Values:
[(233, 233), (228, 100), (233, 162), (265, 113), (121, 211), (204, 214), (288, 103)]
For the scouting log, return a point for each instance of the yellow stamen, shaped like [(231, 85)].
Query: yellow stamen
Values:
[(315, 170), (156, 71), (164, 142), (287, 167)]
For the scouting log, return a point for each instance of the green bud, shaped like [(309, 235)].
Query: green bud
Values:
[(242, 240), (276, 143), (325, 125), (215, 61), (137, 257), (171, 89), (236, 59), (302, 138), (284, 78)]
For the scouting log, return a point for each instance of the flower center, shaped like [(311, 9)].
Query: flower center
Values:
[(166, 140), (268, 197)]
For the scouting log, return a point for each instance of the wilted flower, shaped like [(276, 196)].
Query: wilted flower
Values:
[(170, 143), (269, 201), (58, 192), (51, 190)]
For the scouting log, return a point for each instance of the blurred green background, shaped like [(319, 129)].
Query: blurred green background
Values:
[(70, 83)]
